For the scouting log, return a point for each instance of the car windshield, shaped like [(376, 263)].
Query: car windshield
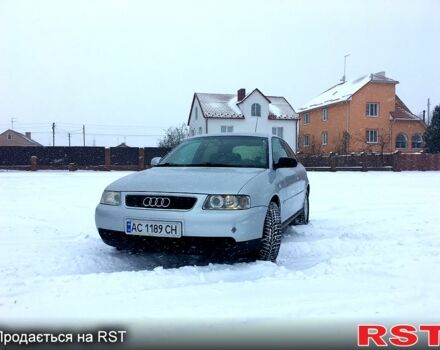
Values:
[(220, 151)]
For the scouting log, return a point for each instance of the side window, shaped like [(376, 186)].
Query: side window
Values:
[(278, 150), (289, 151)]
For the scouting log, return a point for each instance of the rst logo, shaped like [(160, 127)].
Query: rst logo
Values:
[(401, 335)]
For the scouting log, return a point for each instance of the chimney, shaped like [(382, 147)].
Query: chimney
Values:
[(380, 74), (241, 93), (27, 134)]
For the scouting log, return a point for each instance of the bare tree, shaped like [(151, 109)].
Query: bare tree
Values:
[(383, 141), (312, 149), (343, 143), (174, 136)]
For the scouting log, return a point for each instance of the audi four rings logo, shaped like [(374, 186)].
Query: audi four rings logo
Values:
[(156, 202)]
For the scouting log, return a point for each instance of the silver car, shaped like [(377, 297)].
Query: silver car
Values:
[(235, 191)]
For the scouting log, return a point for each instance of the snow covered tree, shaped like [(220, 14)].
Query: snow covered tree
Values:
[(432, 134), (174, 136)]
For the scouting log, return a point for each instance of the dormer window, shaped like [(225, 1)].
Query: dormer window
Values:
[(256, 110)]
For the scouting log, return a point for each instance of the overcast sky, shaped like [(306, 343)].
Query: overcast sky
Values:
[(131, 67)]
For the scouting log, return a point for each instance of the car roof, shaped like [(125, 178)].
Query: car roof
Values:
[(252, 134)]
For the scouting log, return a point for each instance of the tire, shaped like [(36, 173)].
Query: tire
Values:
[(303, 217), (271, 239)]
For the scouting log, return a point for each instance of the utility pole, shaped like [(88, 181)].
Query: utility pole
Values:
[(84, 135), (345, 66), (68, 134), (429, 111), (53, 134), (12, 123)]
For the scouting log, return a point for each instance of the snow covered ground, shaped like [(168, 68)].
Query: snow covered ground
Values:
[(370, 252)]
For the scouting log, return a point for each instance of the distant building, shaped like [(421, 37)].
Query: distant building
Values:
[(241, 112), (361, 115), (123, 144), (14, 138)]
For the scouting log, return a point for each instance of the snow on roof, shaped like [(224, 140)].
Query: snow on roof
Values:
[(343, 91), (219, 106), (225, 106)]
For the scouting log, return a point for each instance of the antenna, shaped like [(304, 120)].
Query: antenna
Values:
[(12, 123), (345, 66), (429, 111)]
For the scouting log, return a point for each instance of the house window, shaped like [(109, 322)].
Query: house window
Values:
[(193, 132), (324, 114), (372, 109), (200, 130), (277, 131), (324, 138), (227, 129), (9, 137), (417, 141), (372, 136), (401, 141), (306, 118), (256, 110), (306, 140), (197, 113)]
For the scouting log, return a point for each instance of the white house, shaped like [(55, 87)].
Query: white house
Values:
[(253, 112)]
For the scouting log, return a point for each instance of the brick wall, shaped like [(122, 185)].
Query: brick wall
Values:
[(397, 160), (98, 158)]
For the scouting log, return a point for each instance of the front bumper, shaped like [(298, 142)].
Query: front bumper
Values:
[(239, 225), (188, 245)]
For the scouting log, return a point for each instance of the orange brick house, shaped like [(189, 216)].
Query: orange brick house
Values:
[(361, 115)]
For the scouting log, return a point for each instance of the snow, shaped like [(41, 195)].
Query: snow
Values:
[(343, 91), (371, 251)]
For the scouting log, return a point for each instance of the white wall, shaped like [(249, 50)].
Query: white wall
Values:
[(194, 125), (264, 126), (248, 124)]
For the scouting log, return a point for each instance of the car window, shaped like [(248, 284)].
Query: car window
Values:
[(278, 150), (289, 151), (230, 151), (185, 154)]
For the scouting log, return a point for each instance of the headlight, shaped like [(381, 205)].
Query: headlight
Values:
[(222, 202), (111, 198)]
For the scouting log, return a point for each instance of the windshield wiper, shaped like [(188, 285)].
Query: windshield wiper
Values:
[(208, 164), (170, 164)]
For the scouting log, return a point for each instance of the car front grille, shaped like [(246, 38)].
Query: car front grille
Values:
[(159, 202)]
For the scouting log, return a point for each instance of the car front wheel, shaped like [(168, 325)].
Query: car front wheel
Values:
[(271, 240)]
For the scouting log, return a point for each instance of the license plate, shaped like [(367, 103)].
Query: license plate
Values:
[(153, 228)]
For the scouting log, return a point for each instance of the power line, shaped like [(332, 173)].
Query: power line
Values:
[(103, 134)]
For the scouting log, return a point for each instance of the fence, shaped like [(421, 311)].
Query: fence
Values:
[(362, 161), (93, 158), (133, 158)]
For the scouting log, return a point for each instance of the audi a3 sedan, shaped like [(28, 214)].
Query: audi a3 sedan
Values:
[(237, 191)]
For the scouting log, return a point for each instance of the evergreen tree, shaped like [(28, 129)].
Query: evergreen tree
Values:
[(432, 134)]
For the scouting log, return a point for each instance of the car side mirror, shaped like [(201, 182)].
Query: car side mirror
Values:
[(285, 162), (155, 161)]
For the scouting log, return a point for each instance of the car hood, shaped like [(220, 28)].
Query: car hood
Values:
[(187, 180)]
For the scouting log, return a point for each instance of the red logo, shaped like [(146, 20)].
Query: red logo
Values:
[(401, 335)]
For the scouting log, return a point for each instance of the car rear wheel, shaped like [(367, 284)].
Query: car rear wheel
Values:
[(271, 240), (303, 218)]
